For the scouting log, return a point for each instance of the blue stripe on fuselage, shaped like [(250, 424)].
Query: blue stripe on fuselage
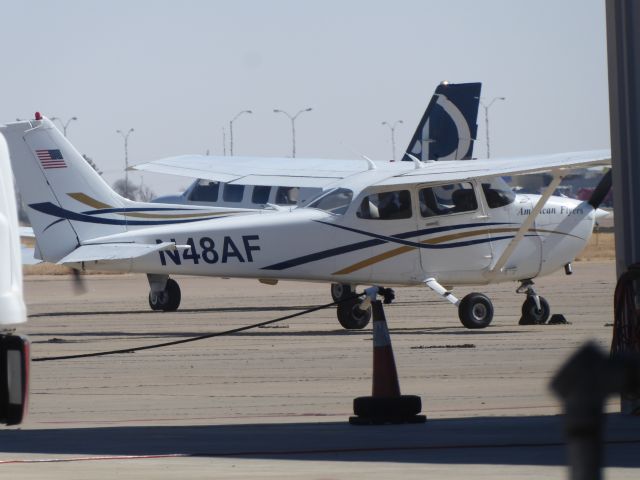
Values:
[(382, 239), (56, 211)]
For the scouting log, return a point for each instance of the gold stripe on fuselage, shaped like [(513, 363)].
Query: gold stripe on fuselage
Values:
[(87, 200), (435, 241), (92, 202)]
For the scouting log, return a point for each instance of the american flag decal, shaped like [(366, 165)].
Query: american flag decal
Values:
[(51, 159)]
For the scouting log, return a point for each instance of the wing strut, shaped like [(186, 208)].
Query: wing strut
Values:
[(527, 224)]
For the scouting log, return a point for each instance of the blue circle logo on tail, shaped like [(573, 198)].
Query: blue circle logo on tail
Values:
[(448, 128)]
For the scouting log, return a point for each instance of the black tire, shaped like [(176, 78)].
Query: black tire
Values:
[(475, 311), (168, 300), (156, 301), (351, 317), (387, 407), (340, 291), (530, 313), (174, 296)]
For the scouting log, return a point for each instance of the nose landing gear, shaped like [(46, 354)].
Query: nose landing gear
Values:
[(535, 309)]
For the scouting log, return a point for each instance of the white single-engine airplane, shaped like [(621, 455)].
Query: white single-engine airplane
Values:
[(377, 223)]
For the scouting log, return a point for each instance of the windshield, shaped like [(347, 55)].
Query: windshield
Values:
[(334, 201)]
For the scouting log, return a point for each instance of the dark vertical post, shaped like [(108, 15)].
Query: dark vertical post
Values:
[(623, 45)]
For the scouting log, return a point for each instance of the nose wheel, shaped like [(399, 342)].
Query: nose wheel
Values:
[(535, 309)]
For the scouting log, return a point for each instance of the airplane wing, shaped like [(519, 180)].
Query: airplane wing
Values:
[(307, 172), (278, 171), (115, 251), (461, 170)]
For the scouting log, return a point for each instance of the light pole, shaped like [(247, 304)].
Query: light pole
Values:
[(126, 159), (486, 118), (224, 143), (392, 127), (293, 125), (64, 124), (231, 129)]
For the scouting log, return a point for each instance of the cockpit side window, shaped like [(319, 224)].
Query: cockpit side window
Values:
[(447, 199), (394, 205), (498, 193), (335, 201), (205, 191)]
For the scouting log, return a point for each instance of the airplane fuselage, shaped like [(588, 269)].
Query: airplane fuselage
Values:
[(313, 244)]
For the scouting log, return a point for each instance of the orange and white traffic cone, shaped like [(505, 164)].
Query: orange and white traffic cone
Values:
[(386, 405)]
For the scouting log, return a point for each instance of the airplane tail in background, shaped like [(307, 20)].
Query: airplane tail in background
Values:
[(449, 125), (67, 201)]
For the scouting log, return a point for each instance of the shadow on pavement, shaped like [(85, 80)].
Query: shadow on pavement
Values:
[(533, 440)]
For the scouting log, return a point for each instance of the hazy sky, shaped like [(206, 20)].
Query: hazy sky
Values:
[(178, 71)]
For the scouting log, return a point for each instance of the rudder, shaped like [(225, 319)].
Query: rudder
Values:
[(56, 182)]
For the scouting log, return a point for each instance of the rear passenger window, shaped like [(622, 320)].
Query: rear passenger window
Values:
[(446, 199), (260, 194), (386, 206), (233, 193)]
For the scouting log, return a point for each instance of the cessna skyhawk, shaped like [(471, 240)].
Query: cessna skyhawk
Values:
[(376, 223)]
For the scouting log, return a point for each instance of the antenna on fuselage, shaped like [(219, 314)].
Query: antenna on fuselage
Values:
[(416, 161)]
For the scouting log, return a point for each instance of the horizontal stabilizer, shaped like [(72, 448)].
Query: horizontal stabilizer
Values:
[(116, 251), (28, 257)]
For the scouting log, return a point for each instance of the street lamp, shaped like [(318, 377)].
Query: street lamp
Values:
[(486, 118), (64, 124), (231, 130), (392, 127), (224, 142), (126, 159), (293, 125)]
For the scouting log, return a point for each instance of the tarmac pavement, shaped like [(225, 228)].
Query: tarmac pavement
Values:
[(274, 402)]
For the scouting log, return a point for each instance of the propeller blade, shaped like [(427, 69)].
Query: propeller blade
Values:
[(601, 191), (78, 282)]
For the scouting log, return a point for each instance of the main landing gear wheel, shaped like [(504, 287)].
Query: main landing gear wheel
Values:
[(351, 317), (475, 311), (340, 291), (167, 300), (531, 314)]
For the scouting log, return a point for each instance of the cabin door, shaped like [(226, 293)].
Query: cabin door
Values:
[(456, 243)]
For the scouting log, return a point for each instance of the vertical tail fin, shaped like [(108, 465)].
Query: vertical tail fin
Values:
[(449, 125), (68, 202), (56, 183)]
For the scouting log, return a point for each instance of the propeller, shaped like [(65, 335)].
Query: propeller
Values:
[(78, 282), (601, 190)]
